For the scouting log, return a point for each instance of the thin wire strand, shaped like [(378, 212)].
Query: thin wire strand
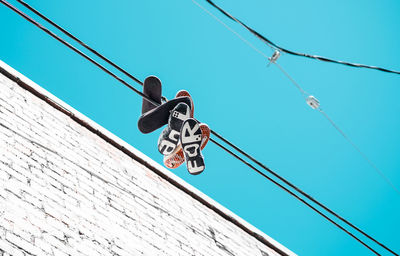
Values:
[(213, 132), (347, 138), (303, 93), (273, 45), (230, 29), (359, 151)]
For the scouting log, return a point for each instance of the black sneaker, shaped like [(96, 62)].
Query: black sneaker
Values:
[(190, 138), (169, 138)]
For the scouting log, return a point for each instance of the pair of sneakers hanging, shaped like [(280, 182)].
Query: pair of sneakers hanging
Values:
[(179, 141), (184, 138)]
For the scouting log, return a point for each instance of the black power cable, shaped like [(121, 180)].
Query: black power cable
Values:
[(79, 41), (272, 44), (293, 194), (213, 132), (300, 191), (28, 18)]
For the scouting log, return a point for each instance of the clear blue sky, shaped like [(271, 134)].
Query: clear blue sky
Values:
[(253, 105)]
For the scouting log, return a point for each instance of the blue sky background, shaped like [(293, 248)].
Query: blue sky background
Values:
[(253, 105)]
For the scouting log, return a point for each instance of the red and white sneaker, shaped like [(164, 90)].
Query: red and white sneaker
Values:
[(177, 158), (184, 93)]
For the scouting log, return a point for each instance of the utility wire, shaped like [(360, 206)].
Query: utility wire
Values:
[(293, 194), (305, 95), (347, 138), (299, 190), (271, 44), (230, 29), (79, 41), (83, 44), (302, 91), (28, 18), (359, 151), (213, 132), (227, 150)]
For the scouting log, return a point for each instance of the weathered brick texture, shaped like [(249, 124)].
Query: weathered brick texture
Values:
[(64, 190)]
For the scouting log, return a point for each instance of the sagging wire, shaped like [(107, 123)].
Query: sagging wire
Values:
[(313, 103), (213, 132), (379, 171), (310, 99), (277, 47)]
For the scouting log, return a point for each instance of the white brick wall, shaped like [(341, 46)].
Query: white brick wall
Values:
[(65, 190)]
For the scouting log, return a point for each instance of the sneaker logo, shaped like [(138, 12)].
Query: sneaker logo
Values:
[(191, 141), (189, 134), (191, 150), (174, 135), (192, 166), (180, 116), (166, 147)]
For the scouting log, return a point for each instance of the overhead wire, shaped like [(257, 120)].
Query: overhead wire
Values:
[(213, 132), (302, 91), (221, 146), (301, 191), (379, 171), (230, 29), (28, 18), (79, 41), (304, 94), (272, 44), (294, 195)]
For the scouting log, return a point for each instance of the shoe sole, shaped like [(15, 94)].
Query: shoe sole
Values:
[(190, 138), (177, 158), (169, 138), (184, 93)]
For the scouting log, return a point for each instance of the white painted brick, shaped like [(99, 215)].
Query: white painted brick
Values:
[(79, 195), (9, 248), (20, 242), (43, 245)]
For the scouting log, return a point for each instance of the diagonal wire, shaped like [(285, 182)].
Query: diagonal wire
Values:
[(25, 16), (230, 29), (347, 138), (275, 46), (80, 42), (213, 132), (302, 91), (227, 150), (359, 151), (301, 191), (305, 95), (293, 194)]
